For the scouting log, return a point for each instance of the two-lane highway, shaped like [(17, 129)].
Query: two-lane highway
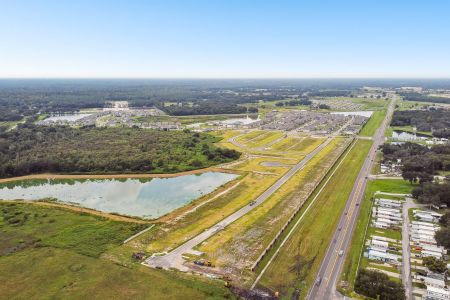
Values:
[(325, 283)]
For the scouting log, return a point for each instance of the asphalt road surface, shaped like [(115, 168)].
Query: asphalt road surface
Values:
[(326, 279), (174, 258)]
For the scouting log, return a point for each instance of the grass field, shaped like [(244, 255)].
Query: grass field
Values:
[(241, 243), (304, 145), (26, 225), (258, 138), (53, 253), (374, 122), (349, 270), (298, 261)]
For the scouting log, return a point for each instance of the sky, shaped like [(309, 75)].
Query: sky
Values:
[(224, 39)]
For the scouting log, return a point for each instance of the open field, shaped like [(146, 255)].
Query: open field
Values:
[(304, 145), (239, 245), (352, 259), (298, 261), (256, 139), (374, 122), (25, 225), (54, 253)]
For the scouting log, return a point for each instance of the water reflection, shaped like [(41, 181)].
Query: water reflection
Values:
[(149, 198)]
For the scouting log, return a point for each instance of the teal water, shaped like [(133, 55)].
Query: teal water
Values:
[(148, 198)]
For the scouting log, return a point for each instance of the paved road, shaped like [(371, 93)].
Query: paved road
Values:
[(174, 258), (325, 286), (406, 251)]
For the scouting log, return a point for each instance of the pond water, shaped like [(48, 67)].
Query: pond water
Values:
[(69, 118), (148, 198), (364, 113), (405, 136), (244, 121)]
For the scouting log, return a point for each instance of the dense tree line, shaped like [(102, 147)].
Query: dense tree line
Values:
[(376, 285), (419, 163), (17, 101), (36, 149), (411, 96), (330, 93), (435, 120), (203, 108), (304, 101)]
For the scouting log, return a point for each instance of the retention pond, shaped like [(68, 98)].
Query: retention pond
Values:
[(147, 198)]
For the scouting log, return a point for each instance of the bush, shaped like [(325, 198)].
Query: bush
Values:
[(375, 284), (435, 265)]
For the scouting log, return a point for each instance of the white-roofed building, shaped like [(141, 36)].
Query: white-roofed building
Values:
[(383, 256), (434, 293)]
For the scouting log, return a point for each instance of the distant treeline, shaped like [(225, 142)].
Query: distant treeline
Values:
[(36, 149), (411, 96), (435, 120), (330, 93), (16, 103)]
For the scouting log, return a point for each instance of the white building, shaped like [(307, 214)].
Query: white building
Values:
[(427, 253), (383, 256), (434, 293), (379, 245)]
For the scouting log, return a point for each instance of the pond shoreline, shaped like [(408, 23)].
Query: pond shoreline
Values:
[(116, 176)]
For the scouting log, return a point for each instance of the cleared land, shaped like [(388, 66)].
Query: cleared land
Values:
[(298, 261), (240, 244), (60, 250), (353, 257)]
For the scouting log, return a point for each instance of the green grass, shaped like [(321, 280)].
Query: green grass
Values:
[(374, 122), (349, 270), (51, 273), (26, 225), (54, 253), (298, 261)]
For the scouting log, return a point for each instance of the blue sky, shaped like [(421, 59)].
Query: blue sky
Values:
[(223, 39)]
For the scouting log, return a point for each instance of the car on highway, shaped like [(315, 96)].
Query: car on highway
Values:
[(318, 281), (341, 252)]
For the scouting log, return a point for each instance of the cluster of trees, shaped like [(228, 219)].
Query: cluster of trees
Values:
[(435, 120), (433, 193), (419, 163), (411, 96), (443, 235), (435, 265), (36, 149), (298, 102), (376, 285), (324, 106), (203, 108)]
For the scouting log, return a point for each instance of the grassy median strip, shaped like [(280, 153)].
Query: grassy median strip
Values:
[(350, 268), (374, 123), (297, 263)]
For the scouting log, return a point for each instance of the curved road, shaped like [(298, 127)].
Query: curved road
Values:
[(326, 279)]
